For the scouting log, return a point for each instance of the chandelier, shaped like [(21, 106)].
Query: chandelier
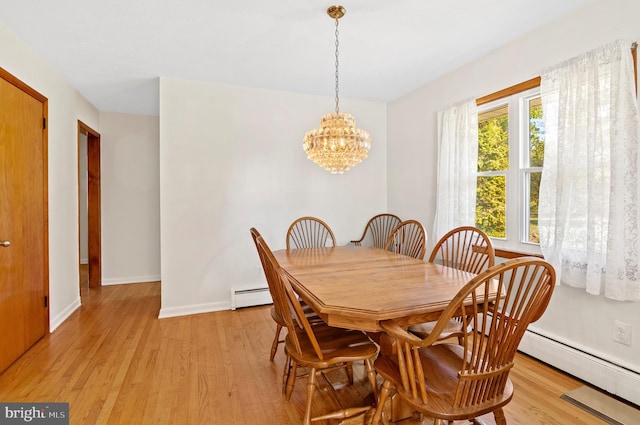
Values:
[(337, 145)]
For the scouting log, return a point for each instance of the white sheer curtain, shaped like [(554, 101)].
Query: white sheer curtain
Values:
[(589, 194), (457, 167)]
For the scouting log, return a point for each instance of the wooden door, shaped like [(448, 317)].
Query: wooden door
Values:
[(24, 312)]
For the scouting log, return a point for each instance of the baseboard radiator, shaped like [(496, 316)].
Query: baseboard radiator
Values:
[(249, 297), (617, 379)]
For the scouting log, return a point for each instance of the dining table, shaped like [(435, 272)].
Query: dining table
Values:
[(358, 287)]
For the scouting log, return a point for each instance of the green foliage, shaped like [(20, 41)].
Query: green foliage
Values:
[(534, 193), (536, 159), (536, 137), (493, 144), (491, 213), (493, 155)]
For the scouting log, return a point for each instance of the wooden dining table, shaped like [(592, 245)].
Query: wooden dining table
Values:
[(358, 287)]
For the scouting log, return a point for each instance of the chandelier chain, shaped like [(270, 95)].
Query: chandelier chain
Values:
[(337, 62)]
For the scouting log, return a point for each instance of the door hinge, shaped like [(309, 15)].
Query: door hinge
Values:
[(44, 123), (46, 301)]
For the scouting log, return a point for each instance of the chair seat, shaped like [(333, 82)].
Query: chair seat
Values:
[(441, 363), (422, 330), (312, 316), (336, 345)]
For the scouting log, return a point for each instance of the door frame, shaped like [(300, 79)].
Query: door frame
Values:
[(94, 218)]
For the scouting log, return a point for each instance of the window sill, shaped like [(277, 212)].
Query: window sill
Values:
[(508, 253)]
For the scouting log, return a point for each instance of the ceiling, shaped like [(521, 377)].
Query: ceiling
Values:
[(113, 51)]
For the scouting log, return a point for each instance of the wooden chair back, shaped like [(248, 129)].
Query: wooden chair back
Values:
[(255, 235), (472, 377), (377, 230), (309, 232), (408, 238), (464, 248), (272, 277), (285, 300), (274, 314), (318, 347)]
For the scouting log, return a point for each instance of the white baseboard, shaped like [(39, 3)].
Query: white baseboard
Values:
[(127, 280), (193, 309), (608, 375), (56, 321)]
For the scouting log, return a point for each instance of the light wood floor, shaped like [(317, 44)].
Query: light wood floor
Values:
[(116, 363)]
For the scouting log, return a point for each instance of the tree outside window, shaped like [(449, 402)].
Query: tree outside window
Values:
[(510, 131)]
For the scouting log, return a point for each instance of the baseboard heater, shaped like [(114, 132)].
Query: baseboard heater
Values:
[(249, 297), (613, 378)]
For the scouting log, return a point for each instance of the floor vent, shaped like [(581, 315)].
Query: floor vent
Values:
[(249, 297), (603, 406)]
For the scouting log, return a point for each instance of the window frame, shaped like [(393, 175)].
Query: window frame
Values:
[(525, 169), (515, 97)]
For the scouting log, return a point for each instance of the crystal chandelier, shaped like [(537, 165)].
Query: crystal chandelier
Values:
[(337, 145)]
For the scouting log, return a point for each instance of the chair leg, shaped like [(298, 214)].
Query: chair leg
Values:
[(311, 388), (371, 373), (276, 341), (285, 372), (291, 380), (289, 377), (384, 393), (349, 369), (498, 414)]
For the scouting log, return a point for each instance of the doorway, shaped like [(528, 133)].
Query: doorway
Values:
[(89, 224)]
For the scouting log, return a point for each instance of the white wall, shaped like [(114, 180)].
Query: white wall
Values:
[(66, 107), (231, 158), (130, 198), (574, 318)]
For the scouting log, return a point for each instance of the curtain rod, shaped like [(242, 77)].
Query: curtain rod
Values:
[(535, 82)]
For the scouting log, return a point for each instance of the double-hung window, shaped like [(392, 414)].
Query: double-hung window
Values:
[(510, 157)]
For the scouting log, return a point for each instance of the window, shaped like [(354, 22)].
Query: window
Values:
[(510, 157)]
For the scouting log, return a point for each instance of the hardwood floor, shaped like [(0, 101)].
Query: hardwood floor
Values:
[(116, 363)]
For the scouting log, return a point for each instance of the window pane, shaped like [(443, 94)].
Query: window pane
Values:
[(491, 202), (533, 181), (493, 139), (536, 133)]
